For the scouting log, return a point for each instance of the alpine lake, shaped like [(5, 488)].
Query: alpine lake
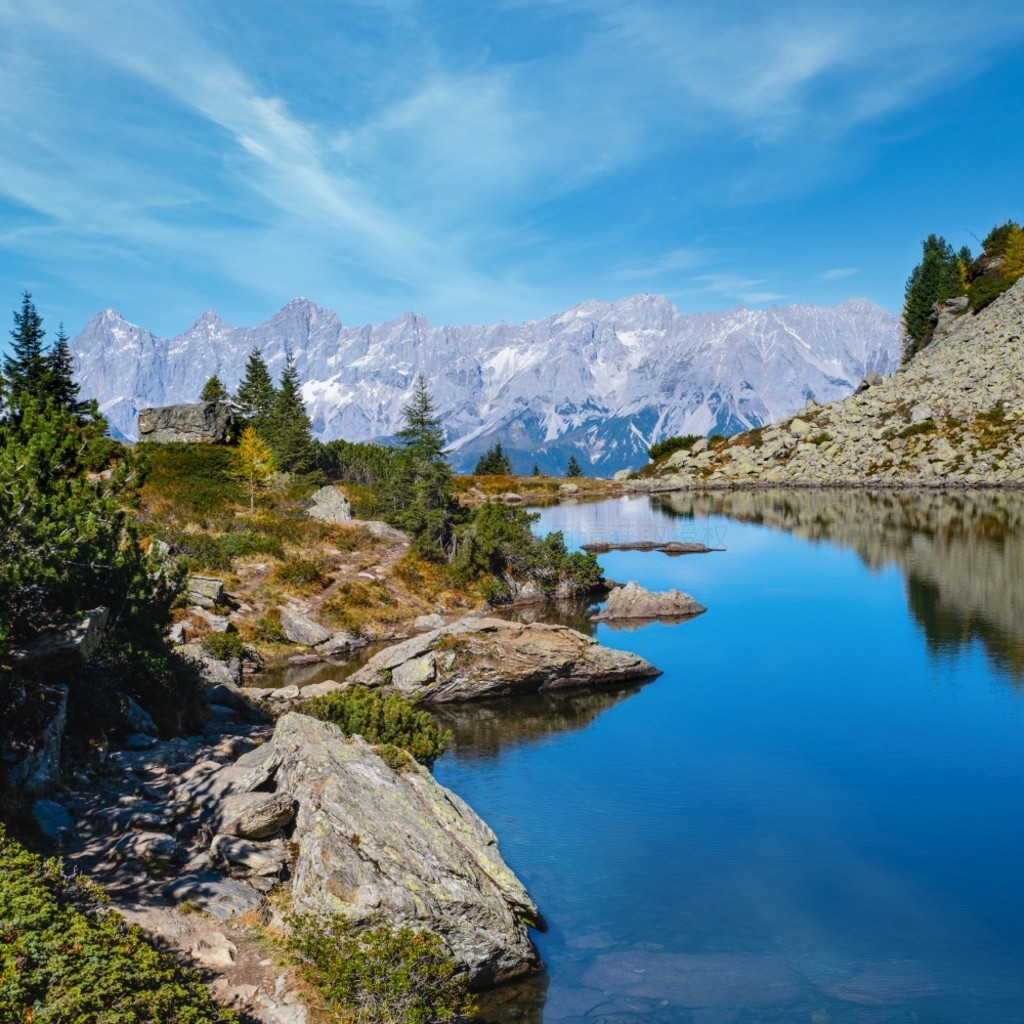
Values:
[(816, 814)]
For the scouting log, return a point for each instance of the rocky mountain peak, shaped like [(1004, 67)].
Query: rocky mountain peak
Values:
[(601, 380)]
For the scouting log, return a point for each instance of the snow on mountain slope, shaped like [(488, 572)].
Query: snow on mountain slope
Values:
[(601, 380)]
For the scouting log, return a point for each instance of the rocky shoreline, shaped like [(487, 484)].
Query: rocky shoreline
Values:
[(207, 842), (951, 417)]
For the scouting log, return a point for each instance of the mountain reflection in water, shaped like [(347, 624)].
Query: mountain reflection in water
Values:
[(961, 553)]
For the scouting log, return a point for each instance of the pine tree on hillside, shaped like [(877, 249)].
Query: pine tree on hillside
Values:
[(573, 468), (288, 427), (256, 394), (25, 370), (936, 278), (536, 469), (214, 391)]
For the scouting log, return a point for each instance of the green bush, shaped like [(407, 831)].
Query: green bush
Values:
[(985, 290), (65, 958), (223, 646), (668, 445), (302, 574), (381, 719), (498, 543), (379, 974)]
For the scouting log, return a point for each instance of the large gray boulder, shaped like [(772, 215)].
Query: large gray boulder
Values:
[(477, 658), (635, 602), (66, 647), (196, 422), (372, 841), (329, 505)]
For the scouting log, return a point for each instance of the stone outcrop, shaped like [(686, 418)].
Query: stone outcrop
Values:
[(329, 505), (953, 415), (205, 591), (65, 648), (372, 841), (635, 602), (30, 753), (477, 658), (196, 422)]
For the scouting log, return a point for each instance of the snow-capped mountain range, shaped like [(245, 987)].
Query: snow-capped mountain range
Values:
[(601, 380)]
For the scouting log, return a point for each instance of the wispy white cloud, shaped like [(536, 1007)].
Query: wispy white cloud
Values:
[(738, 288), (839, 273)]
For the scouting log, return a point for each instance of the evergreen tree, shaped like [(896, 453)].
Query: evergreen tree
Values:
[(536, 469), (421, 499), (67, 541), (494, 462), (214, 391), (25, 370), (256, 394), (936, 278), (60, 376), (573, 468), (288, 428)]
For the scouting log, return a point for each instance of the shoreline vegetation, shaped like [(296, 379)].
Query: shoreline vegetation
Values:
[(146, 584)]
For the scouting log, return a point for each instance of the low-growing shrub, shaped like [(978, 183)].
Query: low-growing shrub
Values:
[(65, 957), (302, 574), (923, 427), (355, 602), (223, 646), (380, 975), (662, 449), (381, 719)]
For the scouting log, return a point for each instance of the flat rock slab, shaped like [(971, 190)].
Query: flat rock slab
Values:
[(672, 547), (635, 602), (478, 658), (224, 898)]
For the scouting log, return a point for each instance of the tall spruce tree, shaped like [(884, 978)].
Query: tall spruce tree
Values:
[(60, 383), (214, 391), (421, 499), (256, 394), (25, 369), (288, 427), (573, 468), (936, 278)]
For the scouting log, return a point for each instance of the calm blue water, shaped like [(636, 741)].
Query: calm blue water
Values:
[(814, 815)]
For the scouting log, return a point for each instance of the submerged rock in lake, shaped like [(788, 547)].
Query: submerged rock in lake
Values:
[(371, 840), (477, 658), (635, 602)]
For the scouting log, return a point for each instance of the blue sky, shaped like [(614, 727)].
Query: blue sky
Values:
[(504, 160)]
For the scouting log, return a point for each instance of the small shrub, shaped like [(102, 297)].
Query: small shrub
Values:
[(302, 574), (379, 974), (662, 449), (398, 760), (924, 427), (223, 646), (64, 956), (819, 439), (985, 290), (381, 719), (269, 628)]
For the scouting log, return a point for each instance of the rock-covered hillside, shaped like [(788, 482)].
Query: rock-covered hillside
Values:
[(601, 381), (954, 414)]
